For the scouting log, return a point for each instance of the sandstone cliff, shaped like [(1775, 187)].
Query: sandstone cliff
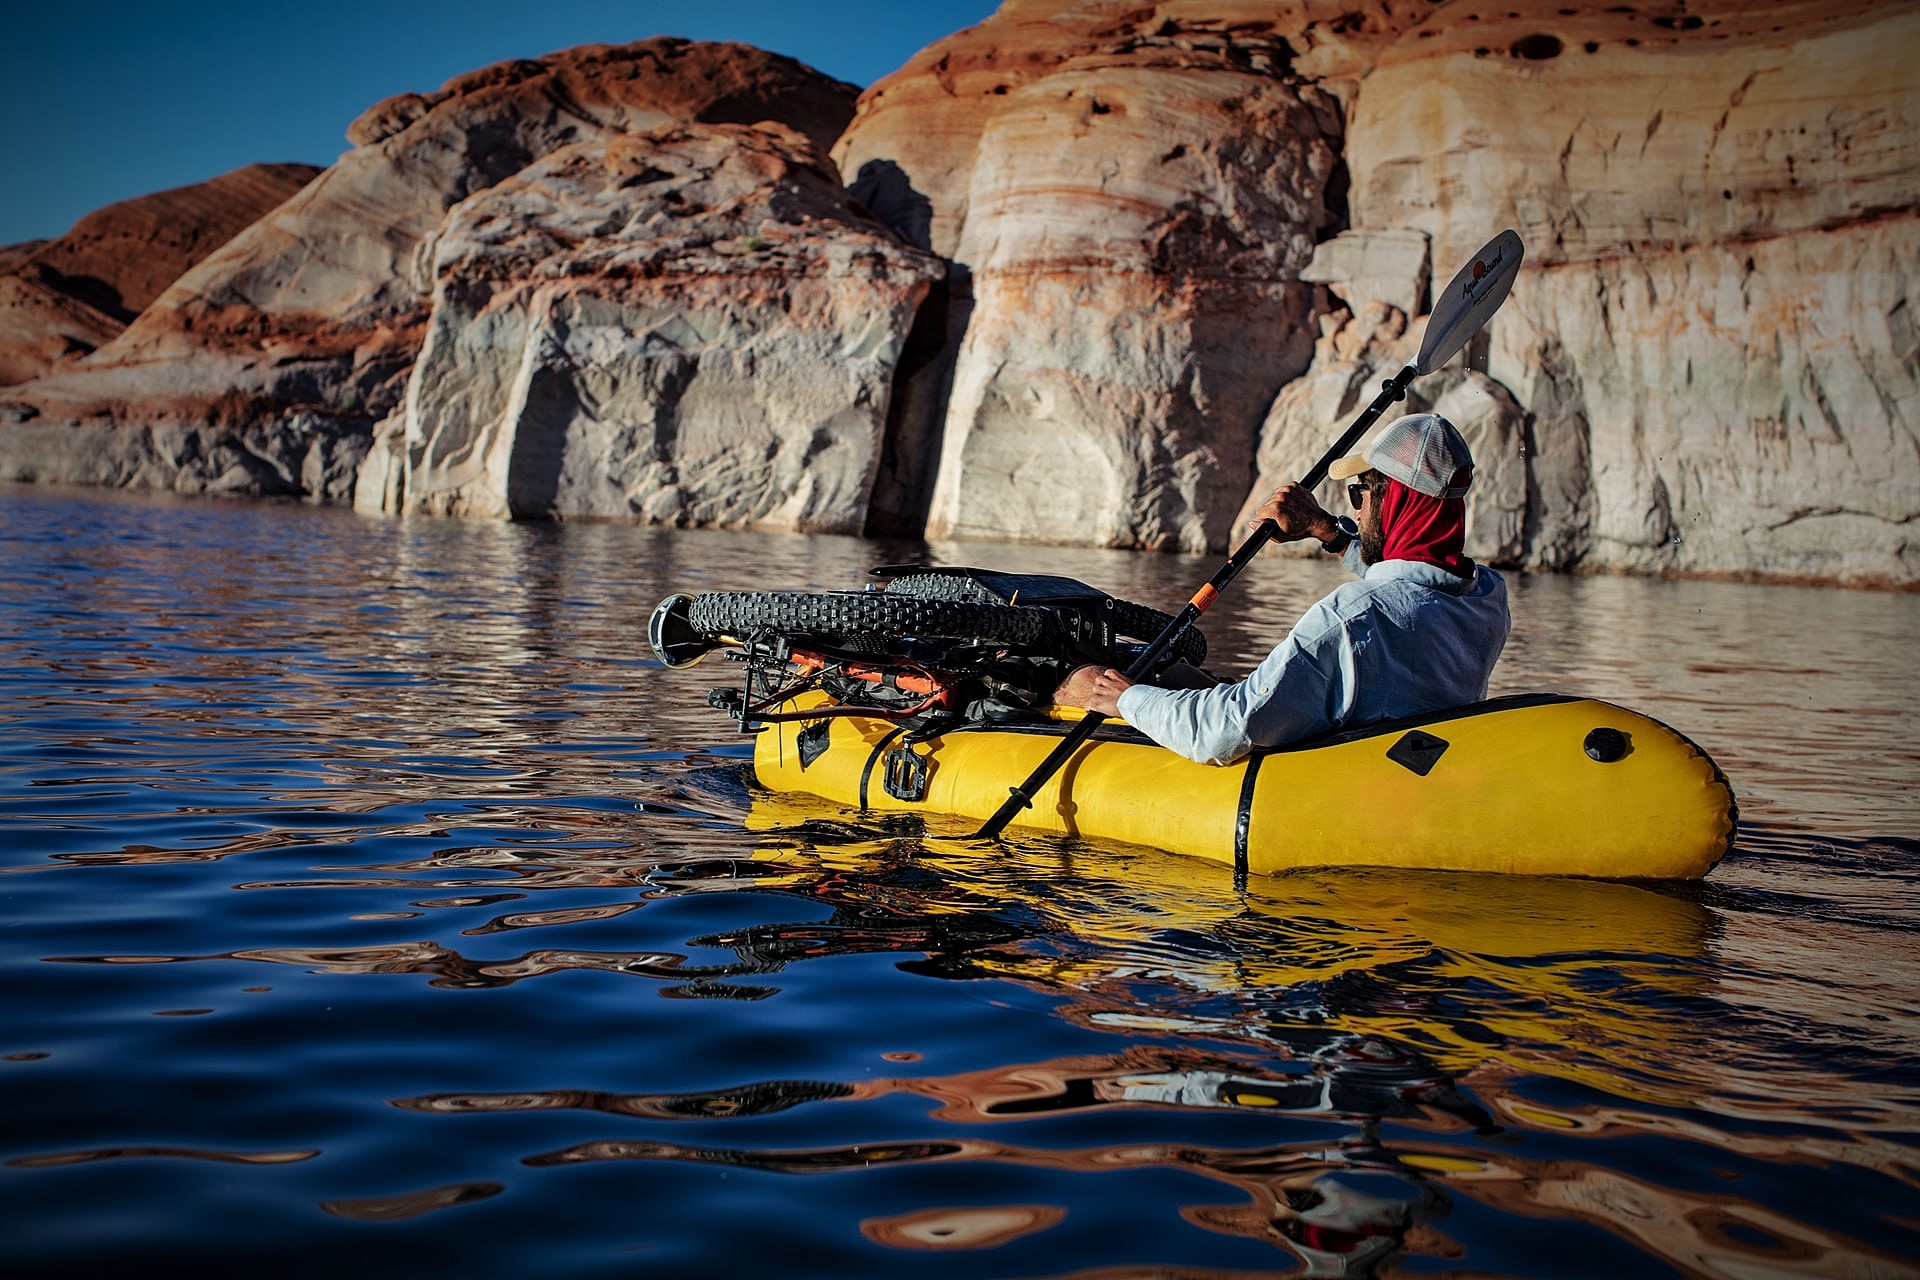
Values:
[(1172, 249), (690, 326), (1713, 340), (1128, 209), (309, 321), (1708, 365), (60, 299)]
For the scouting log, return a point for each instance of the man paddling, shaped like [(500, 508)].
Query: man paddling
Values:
[(1419, 631)]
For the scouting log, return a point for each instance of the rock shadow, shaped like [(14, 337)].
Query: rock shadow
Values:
[(917, 407), (886, 191), (540, 444), (917, 410)]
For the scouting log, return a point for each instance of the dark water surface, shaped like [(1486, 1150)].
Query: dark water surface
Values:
[(371, 899)]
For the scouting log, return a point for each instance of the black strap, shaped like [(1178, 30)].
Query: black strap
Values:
[(1243, 819), (879, 748)]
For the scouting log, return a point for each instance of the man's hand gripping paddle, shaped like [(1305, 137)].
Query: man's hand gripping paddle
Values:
[(1470, 300)]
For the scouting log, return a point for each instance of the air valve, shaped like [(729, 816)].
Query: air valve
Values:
[(1606, 745)]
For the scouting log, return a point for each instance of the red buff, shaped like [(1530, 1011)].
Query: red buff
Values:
[(1431, 530)]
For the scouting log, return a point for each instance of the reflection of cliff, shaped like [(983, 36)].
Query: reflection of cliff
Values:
[(1342, 1203), (1341, 1206)]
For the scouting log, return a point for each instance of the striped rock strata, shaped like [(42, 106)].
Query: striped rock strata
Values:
[(1128, 209), (301, 332), (1182, 242), (1713, 343), (1708, 364), (695, 326), (60, 299)]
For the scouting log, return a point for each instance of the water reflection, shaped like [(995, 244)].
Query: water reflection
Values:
[(1416, 1015), (763, 1097), (58, 1159), (408, 768), (962, 1227), (412, 1204)]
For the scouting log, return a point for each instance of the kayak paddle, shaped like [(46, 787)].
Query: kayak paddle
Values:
[(1470, 299)]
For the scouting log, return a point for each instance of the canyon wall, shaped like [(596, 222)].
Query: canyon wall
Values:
[(1707, 365), (1713, 339), (693, 326), (265, 367), (1087, 272)]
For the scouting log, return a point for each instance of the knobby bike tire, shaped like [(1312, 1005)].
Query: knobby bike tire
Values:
[(1143, 623), (857, 614)]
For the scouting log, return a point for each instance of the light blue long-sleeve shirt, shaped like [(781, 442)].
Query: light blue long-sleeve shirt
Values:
[(1406, 638)]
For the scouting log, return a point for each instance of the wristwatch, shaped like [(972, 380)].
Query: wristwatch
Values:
[(1339, 542)]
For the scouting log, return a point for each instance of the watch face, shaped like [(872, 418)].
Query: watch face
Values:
[(1348, 531)]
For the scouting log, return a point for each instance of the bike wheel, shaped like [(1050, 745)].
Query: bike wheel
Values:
[(862, 616)]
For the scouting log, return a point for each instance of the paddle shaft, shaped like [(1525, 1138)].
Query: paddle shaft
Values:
[(1392, 391)]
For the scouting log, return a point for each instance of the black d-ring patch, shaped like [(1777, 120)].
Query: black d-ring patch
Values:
[(1418, 751), (812, 742)]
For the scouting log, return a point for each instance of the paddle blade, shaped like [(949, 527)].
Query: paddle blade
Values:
[(1470, 300)]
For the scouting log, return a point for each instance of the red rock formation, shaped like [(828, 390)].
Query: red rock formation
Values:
[(41, 325), (62, 298), (120, 258), (13, 255), (319, 309), (323, 304)]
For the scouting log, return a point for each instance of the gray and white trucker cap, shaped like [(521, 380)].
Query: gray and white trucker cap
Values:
[(1423, 451)]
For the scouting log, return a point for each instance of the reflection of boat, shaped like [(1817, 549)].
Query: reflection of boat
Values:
[(1536, 785), (1583, 980), (1303, 1056)]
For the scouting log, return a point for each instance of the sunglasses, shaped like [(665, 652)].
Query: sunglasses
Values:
[(1357, 491)]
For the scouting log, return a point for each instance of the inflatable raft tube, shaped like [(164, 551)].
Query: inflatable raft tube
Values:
[(1536, 784)]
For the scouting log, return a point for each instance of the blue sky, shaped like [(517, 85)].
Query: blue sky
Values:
[(113, 99)]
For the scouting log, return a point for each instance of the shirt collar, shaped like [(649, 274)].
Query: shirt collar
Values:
[(1421, 573)]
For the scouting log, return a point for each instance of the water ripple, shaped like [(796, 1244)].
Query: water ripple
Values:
[(288, 837)]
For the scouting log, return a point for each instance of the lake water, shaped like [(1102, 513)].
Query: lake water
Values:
[(370, 898)]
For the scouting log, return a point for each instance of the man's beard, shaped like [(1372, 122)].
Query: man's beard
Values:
[(1373, 543)]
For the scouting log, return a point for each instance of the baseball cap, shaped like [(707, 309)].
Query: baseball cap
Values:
[(1422, 451)]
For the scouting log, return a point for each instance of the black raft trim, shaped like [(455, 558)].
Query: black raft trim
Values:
[(1243, 818), (866, 773)]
